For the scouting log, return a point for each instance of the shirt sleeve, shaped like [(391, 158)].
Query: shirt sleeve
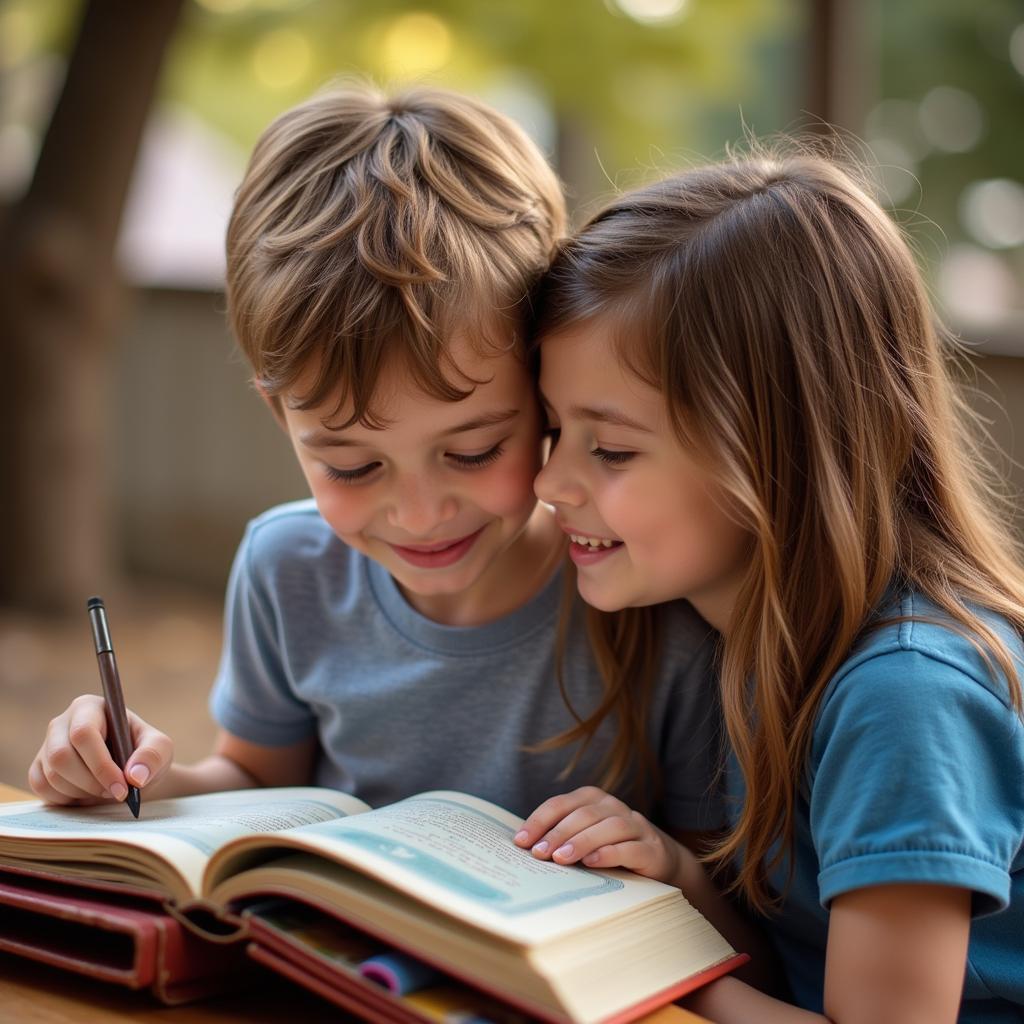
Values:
[(251, 696), (690, 736), (917, 772)]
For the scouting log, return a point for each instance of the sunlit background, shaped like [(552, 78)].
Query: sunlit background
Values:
[(155, 452)]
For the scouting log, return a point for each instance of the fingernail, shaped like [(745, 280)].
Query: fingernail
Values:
[(118, 790), (139, 774), (521, 835), (541, 847), (563, 851), (591, 858)]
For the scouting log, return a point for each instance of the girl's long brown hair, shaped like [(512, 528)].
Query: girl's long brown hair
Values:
[(627, 648), (781, 313)]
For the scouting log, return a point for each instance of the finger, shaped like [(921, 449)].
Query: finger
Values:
[(578, 821), (39, 785), (59, 783), (63, 768), (58, 772), (570, 826), (634, 855), (91, 767), (554, 810), (152, 755), (607, 831)]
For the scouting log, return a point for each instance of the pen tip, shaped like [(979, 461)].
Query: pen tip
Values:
[(94, 602), (134, 800)]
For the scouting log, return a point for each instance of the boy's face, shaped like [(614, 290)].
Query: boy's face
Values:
[(443, 491)]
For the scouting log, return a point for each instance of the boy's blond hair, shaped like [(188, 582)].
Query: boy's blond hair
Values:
[(369, 227)]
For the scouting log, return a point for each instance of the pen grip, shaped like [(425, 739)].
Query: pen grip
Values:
[(118, 734)]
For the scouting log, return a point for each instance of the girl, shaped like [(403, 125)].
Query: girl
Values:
[(749, 409)]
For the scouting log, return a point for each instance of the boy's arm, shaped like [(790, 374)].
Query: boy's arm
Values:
[(237, 764)]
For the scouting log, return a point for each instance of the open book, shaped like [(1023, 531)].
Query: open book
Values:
[(436, 875)]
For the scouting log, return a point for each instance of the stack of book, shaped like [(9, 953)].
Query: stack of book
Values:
[(421, 911)]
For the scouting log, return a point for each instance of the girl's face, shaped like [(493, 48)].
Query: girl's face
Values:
[(647, 524)]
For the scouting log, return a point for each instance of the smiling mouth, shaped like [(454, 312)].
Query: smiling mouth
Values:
[(439, 555), (593, 543), (586, 550), (433, 549)]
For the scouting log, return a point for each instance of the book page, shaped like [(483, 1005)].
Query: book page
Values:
[(456, 852), (183, 831)]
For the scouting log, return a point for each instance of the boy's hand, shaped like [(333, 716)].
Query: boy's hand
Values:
[(591, 826), (74, 766)]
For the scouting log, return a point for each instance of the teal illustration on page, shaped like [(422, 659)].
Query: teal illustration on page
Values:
[(204, 828), (466, 851)]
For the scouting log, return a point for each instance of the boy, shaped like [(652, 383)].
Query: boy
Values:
[(398, 632)]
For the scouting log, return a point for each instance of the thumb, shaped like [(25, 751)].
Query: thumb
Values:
[(152, 755)]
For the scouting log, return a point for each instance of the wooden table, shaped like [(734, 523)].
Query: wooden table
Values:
[(32, 993)]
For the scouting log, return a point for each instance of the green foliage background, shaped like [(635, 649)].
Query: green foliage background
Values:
[(634, 98)]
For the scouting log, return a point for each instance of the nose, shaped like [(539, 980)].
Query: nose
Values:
[(419, 506), (557, 484)]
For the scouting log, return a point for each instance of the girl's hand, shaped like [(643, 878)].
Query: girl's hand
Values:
[(591, 826), (74, 766)]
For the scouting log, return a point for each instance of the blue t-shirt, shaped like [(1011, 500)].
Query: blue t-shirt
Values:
[(916, 774), (320, 641)]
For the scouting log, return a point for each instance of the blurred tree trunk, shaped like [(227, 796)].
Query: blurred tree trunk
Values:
[(58, 301), (577, 164), (841, 75)]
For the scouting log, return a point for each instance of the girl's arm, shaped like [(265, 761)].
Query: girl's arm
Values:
[(896, 955)]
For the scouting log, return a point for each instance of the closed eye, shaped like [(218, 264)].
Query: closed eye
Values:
[(349, 476), (612, 458), (476, 461)]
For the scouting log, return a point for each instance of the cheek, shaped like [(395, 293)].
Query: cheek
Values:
[(637, 508), (508, 488), (345, 510), (707, 545), (686, 528)]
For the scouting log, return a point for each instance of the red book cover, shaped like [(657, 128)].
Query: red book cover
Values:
[(116, 937)]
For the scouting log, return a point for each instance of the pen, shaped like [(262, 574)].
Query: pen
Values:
[(117, 717)]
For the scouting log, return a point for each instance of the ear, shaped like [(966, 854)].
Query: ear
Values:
[(273, 403)]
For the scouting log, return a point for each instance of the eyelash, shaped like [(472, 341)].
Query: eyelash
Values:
[(609, 458), (350, 476), (612, 458), (476, 461)]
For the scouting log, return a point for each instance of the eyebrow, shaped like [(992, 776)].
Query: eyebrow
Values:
[(606, 414), (601, 414), (326, 439)]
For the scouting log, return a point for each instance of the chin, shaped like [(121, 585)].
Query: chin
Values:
[(616, 601), (602, 601), (433, 587)]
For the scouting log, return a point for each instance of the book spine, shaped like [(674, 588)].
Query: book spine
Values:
[(127, 942), (669, 995)]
